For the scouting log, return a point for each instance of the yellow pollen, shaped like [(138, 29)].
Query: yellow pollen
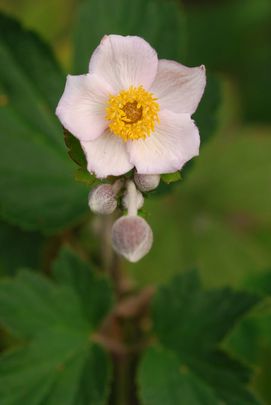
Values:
[(133, 113)]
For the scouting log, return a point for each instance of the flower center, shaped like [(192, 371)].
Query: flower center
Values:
[(133, 113)]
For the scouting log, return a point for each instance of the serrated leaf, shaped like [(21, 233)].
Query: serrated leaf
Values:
[(171, 177), (55, 322), (36, 184), (251, 339), (159, 22), (190, 324)]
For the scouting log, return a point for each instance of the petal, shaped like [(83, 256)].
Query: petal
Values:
[(174, 142), (107, 155), (82, 106), (178, 87), (124, 62)]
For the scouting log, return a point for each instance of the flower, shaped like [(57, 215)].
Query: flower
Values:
[(133, 110)]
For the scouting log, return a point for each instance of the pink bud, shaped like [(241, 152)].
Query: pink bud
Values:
[(132, 237), (147, 182), (101, 199)]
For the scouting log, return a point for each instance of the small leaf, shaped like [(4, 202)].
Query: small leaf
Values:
[(75, 150), (57, 357), (190, 324), (171, 177), (83, 176)]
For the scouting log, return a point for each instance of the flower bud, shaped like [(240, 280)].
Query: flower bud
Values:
[(139, 200), (132, 237), (101, 199), (147, 182)]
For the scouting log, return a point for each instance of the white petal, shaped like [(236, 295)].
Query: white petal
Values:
[(82, 107), (178, 87), (124, 62), (174, 142), (107, 155)]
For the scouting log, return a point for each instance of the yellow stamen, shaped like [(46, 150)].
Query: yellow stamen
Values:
[(133, 113)]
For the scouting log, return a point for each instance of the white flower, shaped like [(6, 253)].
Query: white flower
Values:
[(133, 110)]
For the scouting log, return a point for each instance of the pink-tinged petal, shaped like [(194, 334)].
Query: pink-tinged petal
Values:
[(174, 141), (82, 107), (179, 88), (124, 62), (107, 155)]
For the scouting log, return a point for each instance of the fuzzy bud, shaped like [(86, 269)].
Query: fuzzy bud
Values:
[(132, 237), (139, 200), (102, 200), (147, 182)]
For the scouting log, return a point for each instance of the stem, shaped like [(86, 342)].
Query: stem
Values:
[(117, 186), (132, 198), (106, 247), (121, 333)]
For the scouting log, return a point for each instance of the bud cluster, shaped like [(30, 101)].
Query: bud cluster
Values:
[(132, 236)]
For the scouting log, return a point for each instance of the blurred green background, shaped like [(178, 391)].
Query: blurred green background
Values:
[(218, 218)]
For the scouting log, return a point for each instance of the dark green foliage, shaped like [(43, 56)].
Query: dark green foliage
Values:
[(190, 324), (251, 339), (75, 150), (219, 219), (55, 355), (159, 22), (233, 37), (19, 249), (206, 114), (36, 183)]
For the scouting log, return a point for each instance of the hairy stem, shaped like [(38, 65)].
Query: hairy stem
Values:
[(132, 198), (115, 334)]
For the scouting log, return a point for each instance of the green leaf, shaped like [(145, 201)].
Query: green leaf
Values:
[(230, 170), (93, 290), (162, 381), (36, 184), (206, 116), (57, 361), (19, 249), (75, 150), (251, 339), (159, 22), (219, 219), (190, 323), (171, 177), (83, 176), (225, 26), (76, 153)]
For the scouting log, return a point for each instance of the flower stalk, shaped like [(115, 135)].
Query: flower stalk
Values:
[(131, 198)]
